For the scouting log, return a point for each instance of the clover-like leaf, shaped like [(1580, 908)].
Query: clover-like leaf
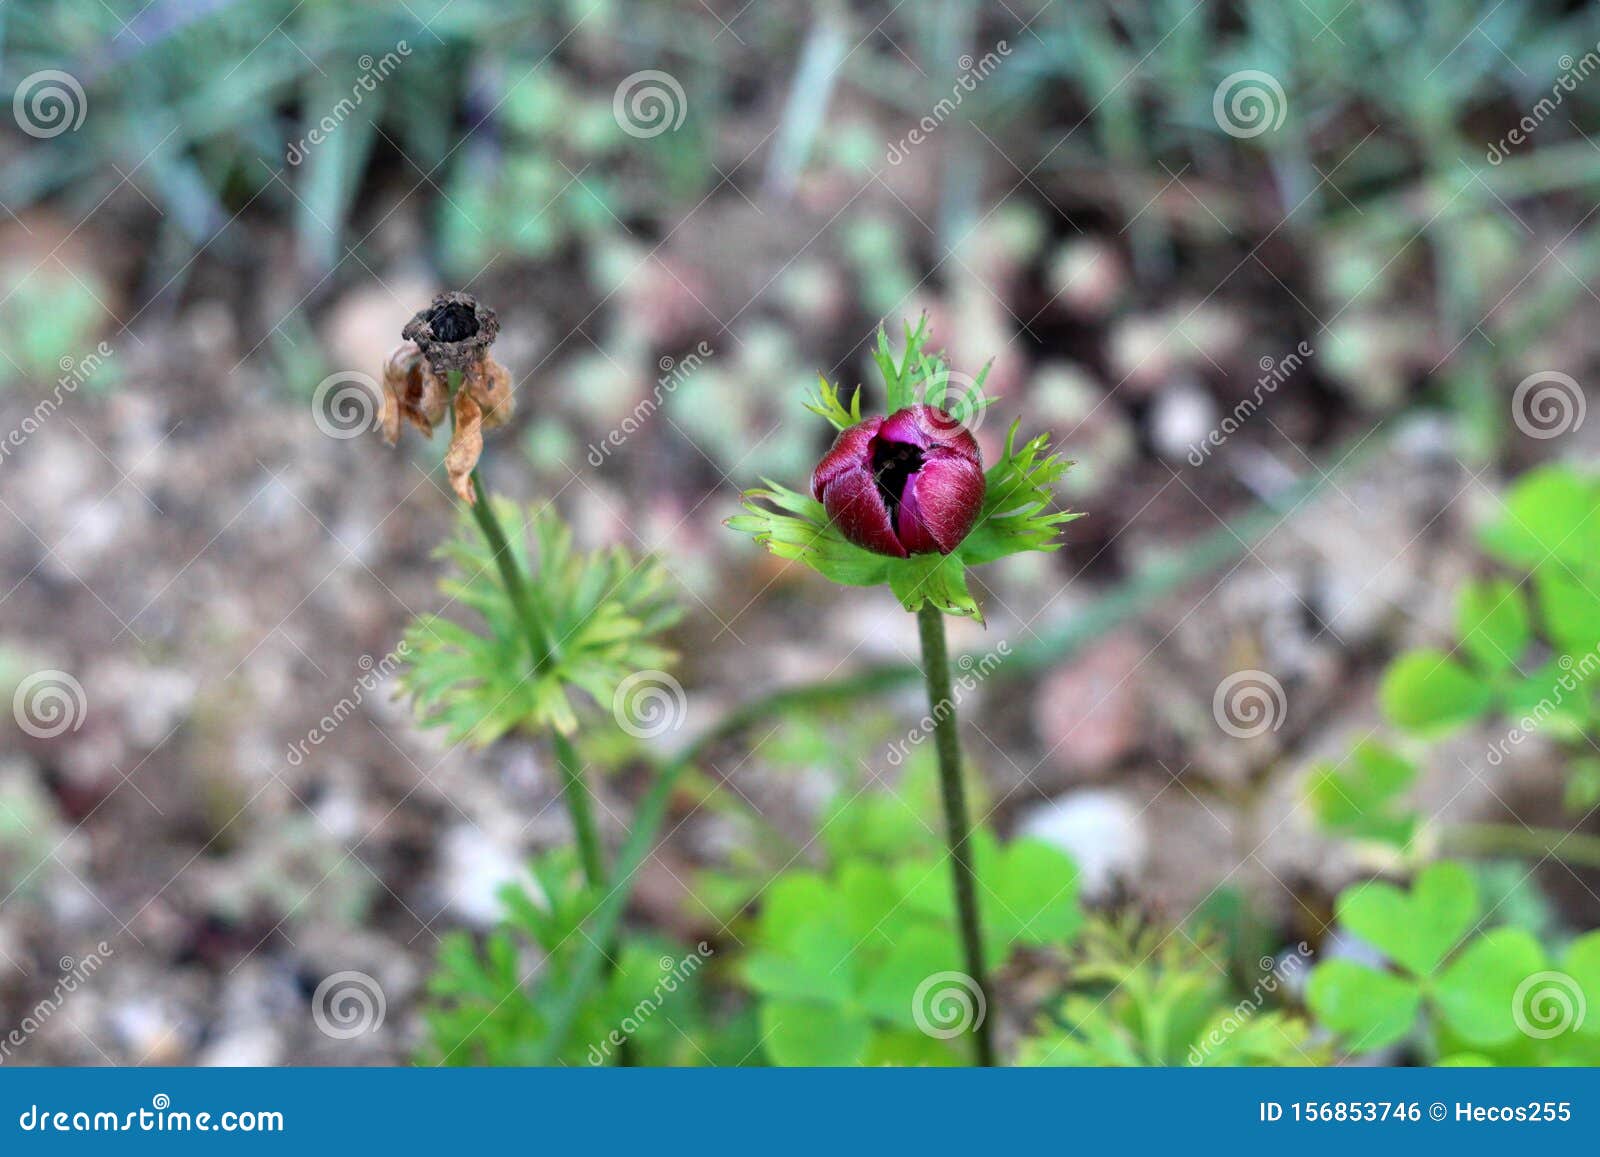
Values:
[(1569, 608), (1476, 992), (1029, 895), (1415, 930), (1369, 1007), (1428, 692), (1492, 622), (1364, 796), (813, 1034), (1551, 512)]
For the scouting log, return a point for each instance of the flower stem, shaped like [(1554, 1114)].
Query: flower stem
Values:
[(958, 827), (530, 616), (1579, 849), (578, 804), (533, 625), (573, 788)]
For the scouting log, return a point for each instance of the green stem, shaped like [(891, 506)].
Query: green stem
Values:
[(958, 827), (1576, 848), (533, 625), (543, 647), (580, 806)]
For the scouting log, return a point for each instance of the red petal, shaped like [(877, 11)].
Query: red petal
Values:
[(931, 428), (851, 498), (851, 450), (940, 504)]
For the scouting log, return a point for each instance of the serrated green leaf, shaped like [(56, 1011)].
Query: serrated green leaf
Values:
[(603, 609)]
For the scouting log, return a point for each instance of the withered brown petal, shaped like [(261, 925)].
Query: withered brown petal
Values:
[(465, 446), (490, 383)]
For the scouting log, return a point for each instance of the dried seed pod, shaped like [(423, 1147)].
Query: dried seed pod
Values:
[(454, 332)]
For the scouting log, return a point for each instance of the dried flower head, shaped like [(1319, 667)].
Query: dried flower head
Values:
[(412, 392), (452, 335), (453, 332)]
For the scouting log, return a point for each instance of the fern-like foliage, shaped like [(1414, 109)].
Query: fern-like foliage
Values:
[(480, 681), (1143, 997), (492, 1004)]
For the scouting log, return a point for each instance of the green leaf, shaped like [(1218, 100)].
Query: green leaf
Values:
[(1418, 930), (1492, 622), (917, 955), (807, 1034), (1582, 964), (1019, 511), (1427, 691), (909, 1048), (479, 682), (1569, 608), (1368, 1007), (1475, 993), (1030, 897), (1552, 511), (868, 898), (828, 405), (800, 529), (1364, 796), (933, 578)]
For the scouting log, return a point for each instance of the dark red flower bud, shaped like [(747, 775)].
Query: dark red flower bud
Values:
[(911, 483)]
